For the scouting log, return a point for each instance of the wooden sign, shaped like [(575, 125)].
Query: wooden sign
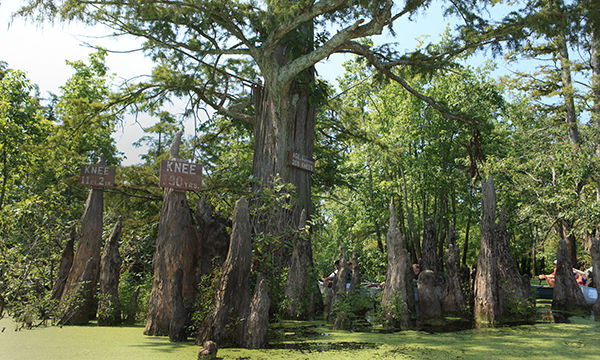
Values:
[(97, 175), (302, 162), (180, 175)]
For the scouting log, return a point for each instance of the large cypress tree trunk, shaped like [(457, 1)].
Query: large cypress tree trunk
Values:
[(225, 325), (77, 300), (109, 308), (255, 333), (177, 247), (66, 261), (567, 297), (285, 124), (398, 298), (486, 304), (304, 297)]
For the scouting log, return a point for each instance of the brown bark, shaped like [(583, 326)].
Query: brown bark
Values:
[(178, 315), (486, 302), (214, 238), (83, 277), (454, 299), (232, 299), (595, 251), (567, 297), (398, 295), (431, 260), (355, 282), (109, 308), (66, 261), (516, 305), (430, 296), (258, 318), (302, 293), (177, 247)]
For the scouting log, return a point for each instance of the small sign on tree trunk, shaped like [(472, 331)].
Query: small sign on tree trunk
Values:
[(302, 162), (97, 175), (180, 175)]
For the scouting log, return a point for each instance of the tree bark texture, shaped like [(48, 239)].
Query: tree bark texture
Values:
[(232, 299), (302, 292), (430, 296), (178, 315), (595, 251), (567, 296), (109, 307), (177, 247), (454, 299), (486, 302), (255, 333), (398, 301), (516, 303), (214, 238), (355, 282), (431, 260), (86, 265), (66, 261)]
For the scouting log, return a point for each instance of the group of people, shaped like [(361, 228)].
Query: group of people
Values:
[(581, 277)]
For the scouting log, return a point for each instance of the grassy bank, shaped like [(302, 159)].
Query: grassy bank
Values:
[(304, 340)]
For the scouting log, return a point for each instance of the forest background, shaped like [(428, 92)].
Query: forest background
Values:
[(535, 131)]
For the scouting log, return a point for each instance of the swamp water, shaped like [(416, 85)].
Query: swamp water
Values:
[(578, 339)]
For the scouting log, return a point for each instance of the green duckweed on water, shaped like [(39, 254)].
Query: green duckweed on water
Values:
[(579, 339)]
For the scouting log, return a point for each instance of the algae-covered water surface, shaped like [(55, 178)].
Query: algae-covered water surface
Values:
[(579, 339)]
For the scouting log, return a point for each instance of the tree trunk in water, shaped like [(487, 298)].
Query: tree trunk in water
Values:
[(66, 261), (177, 247), (214, 238), (486, 304), (595, 251), (303, 295), (109, 308), (567, 296), (83, 277), (516, 303), (398, 300), (454, 299), (430, 296), (255, 334), (232, 299)]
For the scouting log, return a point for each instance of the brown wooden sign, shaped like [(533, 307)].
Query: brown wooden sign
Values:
[(180, 175), (96, 175), (302, 162)]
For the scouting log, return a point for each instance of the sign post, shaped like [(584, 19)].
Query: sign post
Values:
[(97, 175), (180, 175)]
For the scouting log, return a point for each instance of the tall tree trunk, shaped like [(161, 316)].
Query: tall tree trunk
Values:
[(285, 124), (398, 300), (594, 19), (454, 298), (109, 308), (4, 176), (412, 232), (486, 305), (177, 247), (214, 238), (77, 300), (567, 86), (469, 216)]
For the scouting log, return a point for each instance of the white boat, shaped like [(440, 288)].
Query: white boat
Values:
[(590, 294)]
